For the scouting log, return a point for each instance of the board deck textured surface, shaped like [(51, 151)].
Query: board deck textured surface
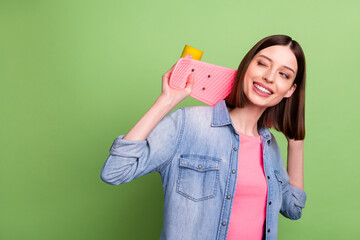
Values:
[(212, 83)]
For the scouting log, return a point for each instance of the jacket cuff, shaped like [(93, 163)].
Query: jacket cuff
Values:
[(299, 196), (126, 148)]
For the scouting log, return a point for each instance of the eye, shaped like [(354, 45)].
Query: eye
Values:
[(284, 75), (261, 63)]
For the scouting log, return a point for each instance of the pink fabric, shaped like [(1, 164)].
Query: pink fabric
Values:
[(249, 204)]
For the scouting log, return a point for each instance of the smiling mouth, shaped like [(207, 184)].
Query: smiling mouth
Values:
[(261, 89)]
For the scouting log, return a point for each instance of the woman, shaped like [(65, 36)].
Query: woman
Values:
[(221, 168)]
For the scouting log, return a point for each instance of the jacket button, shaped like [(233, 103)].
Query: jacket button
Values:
[(223, 223), (269, 230), (268, 177), (199, 166), (228, 197), (235, 149), (270, 203), (233, 171)]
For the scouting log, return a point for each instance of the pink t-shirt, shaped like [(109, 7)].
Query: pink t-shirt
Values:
[(249, 204)]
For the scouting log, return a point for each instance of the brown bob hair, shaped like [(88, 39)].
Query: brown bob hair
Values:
[(288, 116)]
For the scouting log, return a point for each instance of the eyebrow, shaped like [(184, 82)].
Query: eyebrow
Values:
[(272, 60)]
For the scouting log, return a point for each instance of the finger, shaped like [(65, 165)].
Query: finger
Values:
[(165, 79), (190, 82), (168, 73)]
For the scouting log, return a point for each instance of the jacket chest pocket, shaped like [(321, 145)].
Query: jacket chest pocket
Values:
[(198, 177)]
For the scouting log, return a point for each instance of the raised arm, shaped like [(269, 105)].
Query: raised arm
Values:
[(291, 180), (150, 144), (295, 163), (168, 99)]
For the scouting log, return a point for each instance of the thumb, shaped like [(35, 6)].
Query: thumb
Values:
[(190, 82)]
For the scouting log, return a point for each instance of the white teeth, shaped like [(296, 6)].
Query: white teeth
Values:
[(262, 89)]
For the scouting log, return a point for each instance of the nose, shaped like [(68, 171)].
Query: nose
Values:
[(269, 76)]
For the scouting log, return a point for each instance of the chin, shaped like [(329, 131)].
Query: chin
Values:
[(261, 103)]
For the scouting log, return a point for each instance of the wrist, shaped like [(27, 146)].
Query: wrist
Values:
[(295, 143), (165, 102)]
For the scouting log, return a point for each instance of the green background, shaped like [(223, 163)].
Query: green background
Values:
[(76, 74)]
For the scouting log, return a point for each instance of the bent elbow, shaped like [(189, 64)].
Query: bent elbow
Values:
[(116, 177), (116, 172), (293, 214), (108, 179), (294, 202)]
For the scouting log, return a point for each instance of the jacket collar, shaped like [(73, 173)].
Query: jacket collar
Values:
[(221, 117)]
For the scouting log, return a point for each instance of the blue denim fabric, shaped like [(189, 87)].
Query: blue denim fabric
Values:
[(195, 151)]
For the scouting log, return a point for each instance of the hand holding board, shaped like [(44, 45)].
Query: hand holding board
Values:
[(212, 83)]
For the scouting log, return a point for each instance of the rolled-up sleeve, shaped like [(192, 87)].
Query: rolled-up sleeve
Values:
[(131, 159), (293, 198)]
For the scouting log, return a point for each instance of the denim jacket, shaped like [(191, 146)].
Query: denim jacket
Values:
[(195, 151)]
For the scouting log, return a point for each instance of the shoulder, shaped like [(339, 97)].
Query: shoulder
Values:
[(198, 110), (198, 114), (189, 114)]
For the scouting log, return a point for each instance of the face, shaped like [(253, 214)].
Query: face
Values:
[(270, 76)]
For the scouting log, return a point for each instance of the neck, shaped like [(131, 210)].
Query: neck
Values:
[(245, 119)]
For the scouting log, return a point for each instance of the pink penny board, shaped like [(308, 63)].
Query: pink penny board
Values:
[(212, 83)]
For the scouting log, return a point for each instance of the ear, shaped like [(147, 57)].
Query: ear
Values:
[(290, 91)]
